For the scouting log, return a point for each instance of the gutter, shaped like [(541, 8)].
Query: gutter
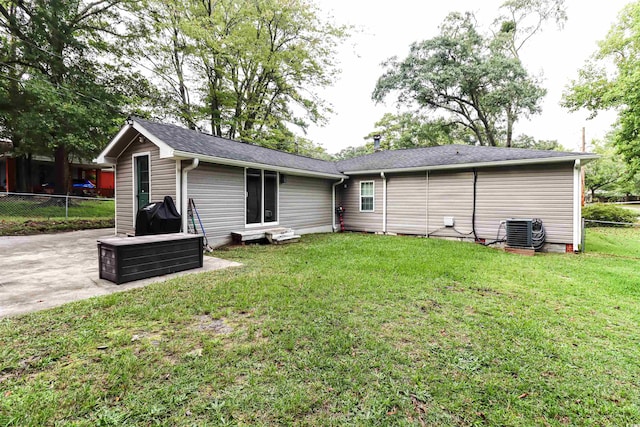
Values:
[(333, 203), (585, 159), (384, 202), (184, 196), (246, 164)]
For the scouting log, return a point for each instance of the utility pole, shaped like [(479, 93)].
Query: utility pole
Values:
[(584, 145)]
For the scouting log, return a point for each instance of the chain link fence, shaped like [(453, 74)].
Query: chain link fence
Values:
[(17, 206)]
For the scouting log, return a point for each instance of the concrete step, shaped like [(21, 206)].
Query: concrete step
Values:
[(273, 235), (278, 234), (286, 239)]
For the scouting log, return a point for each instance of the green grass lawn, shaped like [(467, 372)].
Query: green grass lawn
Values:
[(12, 208), (345, 329), (21, 216)]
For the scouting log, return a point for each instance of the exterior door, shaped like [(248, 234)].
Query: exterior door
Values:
[(142, 181)]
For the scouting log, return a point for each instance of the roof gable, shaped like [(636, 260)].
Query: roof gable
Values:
[(178, 142)]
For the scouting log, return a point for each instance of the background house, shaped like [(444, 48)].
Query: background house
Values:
[(41, 171), (239, 186)]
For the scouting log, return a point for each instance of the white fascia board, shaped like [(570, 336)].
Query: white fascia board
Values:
[(244, 164), (102, 160), (166, 152), (524, 162), (103, 157)]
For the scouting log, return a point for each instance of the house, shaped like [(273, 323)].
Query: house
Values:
[(450, 191), (40, 171)]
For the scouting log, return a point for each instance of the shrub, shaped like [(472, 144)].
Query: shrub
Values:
[(612, 213)]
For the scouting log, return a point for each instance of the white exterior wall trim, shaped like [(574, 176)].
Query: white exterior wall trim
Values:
[(179, 186), (333, 204), (262, 223), (426, 206), (384, 202), (373, 187), (102, 157), (134, 179), (115, 197), (477, 165), (577, 205), (184, 194), (165, 151)]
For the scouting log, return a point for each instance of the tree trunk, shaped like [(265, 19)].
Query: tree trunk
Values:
[(62, 170), (22, 175), (510, 120)]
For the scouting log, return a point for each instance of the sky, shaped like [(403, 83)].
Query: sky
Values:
[(387, 28)]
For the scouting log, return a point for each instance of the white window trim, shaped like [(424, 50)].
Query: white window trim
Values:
[(373, 196), (134, 200), (262, 223)]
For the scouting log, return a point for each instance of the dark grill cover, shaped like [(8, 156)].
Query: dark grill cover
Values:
[(158, 218)]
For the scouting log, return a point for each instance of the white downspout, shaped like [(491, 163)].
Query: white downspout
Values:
[(426, 206), (115, 197), (577, 205), (384, 202), (333, 203), (185, 195)]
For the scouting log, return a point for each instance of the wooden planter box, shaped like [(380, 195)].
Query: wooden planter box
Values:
[(124, 259)]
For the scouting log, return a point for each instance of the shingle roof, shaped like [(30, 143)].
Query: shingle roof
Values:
[(198, 143), (195, 142), (447, 155)]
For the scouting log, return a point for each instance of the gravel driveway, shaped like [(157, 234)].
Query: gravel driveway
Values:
[(48, 270)]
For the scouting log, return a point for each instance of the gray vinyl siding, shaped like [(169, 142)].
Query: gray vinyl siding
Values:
[(305, 202), (354, 220), (450, 194), (163, 183), (219, 194), (406, 203), (544, 192)]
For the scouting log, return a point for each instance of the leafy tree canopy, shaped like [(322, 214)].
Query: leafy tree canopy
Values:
[(529, 142), (409, 130), (605, 173), (476, 81), (59, 93), (351, 152), (248, 69), (610, 80)]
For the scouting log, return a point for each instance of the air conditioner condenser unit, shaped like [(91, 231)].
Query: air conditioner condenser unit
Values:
[(519, 233)]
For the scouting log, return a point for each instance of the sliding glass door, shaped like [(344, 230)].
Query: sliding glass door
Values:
[(262, 196)]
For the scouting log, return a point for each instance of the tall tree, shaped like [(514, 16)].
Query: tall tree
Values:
[(601, 86), (518, 22), (461, 74), (608, 172), (168, 50), (73, 98), (255, 65), (521, 20)]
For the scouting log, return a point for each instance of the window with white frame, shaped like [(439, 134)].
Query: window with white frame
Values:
[(262, 196), (366, 196)]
